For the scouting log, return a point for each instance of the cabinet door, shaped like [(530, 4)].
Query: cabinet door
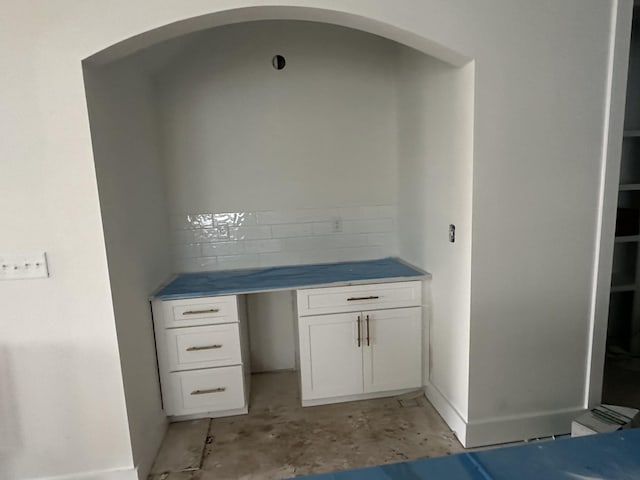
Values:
[(392, 349), (330, 359)]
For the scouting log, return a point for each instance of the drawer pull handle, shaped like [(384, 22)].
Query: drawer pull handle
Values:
[(368, 333), (372, 297), (198, 312), (205, 347), (208, 390)]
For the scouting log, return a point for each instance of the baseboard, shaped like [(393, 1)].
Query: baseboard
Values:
[(354, 398), (520, 427), (494, 431), (448, 412), (118, 474), (216, 414)]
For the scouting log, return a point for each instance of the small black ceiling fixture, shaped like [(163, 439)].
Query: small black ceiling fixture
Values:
[(278, 62)]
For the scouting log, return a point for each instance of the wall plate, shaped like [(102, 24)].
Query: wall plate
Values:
[(23, 266)]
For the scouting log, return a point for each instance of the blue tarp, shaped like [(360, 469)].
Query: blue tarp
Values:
[(229, 282), (607, 456)]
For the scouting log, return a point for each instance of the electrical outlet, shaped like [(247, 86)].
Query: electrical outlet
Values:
[(336, 224), (16, 267)]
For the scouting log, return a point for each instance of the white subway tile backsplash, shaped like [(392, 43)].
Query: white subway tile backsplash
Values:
[(203, 235), (302, 215), (238, 219), (349, 240), (276, 217), (222, 248), (369, 226), (263, 246), (200, 264), (353, 213), (322, 228), (229, 240), (291, 230), (380, 239), (237, 261), (295, 244), (250, 233)]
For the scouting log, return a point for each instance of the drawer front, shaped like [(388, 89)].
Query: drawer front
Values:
[(202, 347), (316, 301), (199, 391), (200, 311)]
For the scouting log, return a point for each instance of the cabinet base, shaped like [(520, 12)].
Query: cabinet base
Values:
[(360, 396), (222, 413)]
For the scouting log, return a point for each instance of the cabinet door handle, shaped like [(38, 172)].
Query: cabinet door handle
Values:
[(208, 390), (204, 347), (372, 297), (368, 334), (198, 312), (359, 340)]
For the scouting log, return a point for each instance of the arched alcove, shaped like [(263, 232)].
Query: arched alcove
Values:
[(272, 12), (209, 158)]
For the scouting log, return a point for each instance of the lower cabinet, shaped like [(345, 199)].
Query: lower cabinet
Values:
[(331, 355), (202, 350), (359, 353), (356, 341), (392, 353)]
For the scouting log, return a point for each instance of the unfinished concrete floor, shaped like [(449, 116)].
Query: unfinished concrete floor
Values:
[(280, 439)]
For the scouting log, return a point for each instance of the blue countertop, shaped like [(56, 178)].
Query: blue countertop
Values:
[(610, 456), (232, 282)]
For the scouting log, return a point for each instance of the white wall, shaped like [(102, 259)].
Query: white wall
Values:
[(537, 170), (275, 156), (271, 326), (63, 406), (133, 204), (540, 103), (232, 128), (435, 151)]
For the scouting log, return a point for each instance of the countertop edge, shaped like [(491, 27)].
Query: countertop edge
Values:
[(369, 281)]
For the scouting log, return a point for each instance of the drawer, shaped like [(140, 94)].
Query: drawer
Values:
[(202, 347), (355, 298), (200, 311), (200, 391)]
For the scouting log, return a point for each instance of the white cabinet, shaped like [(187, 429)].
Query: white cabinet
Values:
[(201, 345), (330, 357), (392, 349), (362, 353), (212, 390), (317, 301), (355, 342)]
